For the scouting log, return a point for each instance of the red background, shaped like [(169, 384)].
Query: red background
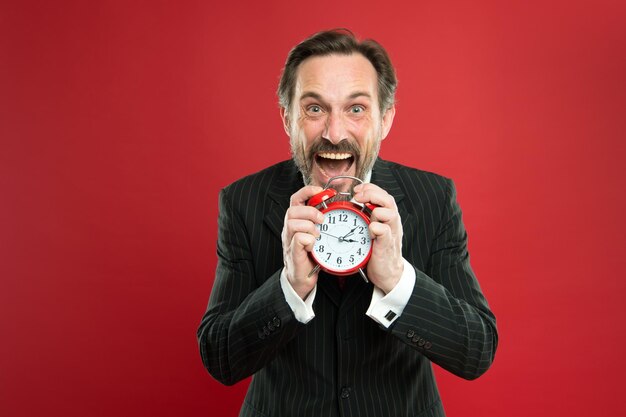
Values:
[(120, 122)]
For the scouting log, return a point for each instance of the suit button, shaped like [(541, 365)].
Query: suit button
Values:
[(421, 342), (262, 335), (415, 339), (271, 326), (266, 331), (276, 321), (410, 334), (345, 393), (428, 345)]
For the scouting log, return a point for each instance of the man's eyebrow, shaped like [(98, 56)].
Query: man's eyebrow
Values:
[(316, 96), (311, 94), (360, 94)]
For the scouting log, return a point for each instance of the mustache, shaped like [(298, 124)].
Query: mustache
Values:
[(345, 146)]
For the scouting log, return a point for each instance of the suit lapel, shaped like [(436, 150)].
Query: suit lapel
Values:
[(383, 176), (288, 181)]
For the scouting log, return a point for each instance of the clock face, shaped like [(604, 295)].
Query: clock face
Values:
[(344, 244)]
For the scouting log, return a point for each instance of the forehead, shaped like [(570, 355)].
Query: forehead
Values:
[(336, 76)]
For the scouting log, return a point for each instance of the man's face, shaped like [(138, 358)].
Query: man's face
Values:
[(335, 122)]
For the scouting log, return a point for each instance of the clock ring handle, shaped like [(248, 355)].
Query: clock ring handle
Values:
[(366, 208), (338, 177)]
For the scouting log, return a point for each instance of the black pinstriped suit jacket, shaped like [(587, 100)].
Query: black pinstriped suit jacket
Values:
[(342, 362)]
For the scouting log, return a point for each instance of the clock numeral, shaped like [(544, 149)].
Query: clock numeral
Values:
[(351, 258), (324, 227), (343, 217), (329, 255), (360, 228), (339, 260), (354, 222), (321, 248), (363, 240), (331, 220), (359, 252)]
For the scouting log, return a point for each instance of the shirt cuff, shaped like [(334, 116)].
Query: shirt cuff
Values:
[(385, 309), (303, 310)]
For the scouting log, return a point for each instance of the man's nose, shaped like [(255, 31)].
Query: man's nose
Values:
[(334, 130)]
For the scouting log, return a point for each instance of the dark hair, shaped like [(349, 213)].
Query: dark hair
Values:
[(339, 41)]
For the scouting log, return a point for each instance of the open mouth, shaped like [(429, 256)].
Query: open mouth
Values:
[(332, 164)]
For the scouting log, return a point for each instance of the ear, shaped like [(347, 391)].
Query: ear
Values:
[(387, 121), (286, 123)]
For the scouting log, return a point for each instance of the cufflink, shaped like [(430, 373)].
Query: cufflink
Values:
[(390, 315)]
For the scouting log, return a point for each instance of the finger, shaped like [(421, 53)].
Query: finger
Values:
[(371, 193), (303, 243), (300, 197), (301, 226), (304, 213), (379, 231), (385, 215), (360, 187)]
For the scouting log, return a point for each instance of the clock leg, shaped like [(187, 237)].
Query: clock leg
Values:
[(313, 271), (363, 275)]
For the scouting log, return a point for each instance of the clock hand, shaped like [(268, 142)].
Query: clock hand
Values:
[(341, 239), (328, 234), (350, 232)]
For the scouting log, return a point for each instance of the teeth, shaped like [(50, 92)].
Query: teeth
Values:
[(329, 155)]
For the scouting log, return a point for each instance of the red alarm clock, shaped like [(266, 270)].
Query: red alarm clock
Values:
[(344, 246)]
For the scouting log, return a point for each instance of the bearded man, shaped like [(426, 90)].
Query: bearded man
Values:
[(315, 347)]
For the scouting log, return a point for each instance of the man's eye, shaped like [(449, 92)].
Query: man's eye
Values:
[(314, 109), (357, 109)]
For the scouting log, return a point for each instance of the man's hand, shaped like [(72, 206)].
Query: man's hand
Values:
[(386, 265), (299, 234)]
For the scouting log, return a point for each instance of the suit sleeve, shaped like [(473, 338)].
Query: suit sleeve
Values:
[(447, 317), (246, 324)]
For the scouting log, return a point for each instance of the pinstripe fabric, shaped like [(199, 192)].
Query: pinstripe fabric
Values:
[(342, 363)]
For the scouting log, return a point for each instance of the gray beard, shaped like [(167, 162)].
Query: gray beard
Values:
[(305, 165)]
